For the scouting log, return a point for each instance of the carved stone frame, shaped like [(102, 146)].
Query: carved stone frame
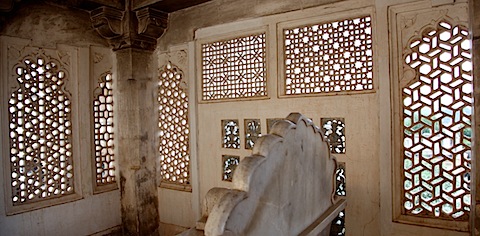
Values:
[(227, 36), (101, 62), (12, 50), (334, 16), (179, 57), (404, 24)]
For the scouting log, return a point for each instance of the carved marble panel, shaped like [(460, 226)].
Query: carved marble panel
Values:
[(234, 68), (334, 131), (437, 123), (174, 126), (329, 57), (338, 225), (340, 180), (229, 163), (103, 131), (433, 102), (231, 134), (42, 125), (252, 132)]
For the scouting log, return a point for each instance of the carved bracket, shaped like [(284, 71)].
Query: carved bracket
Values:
[(107, 21), (151, 22), (142, 33)]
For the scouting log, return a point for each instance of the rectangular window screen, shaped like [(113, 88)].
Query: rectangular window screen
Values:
[(329, 57), (234, 68)]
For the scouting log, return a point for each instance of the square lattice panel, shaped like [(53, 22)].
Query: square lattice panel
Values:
[(329, 57)]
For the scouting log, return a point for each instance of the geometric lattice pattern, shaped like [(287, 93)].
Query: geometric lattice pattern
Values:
[(337, 227), (252, 132), (40, 132), (340, 178), (103, 131), (231, 134), (234, 68), (229, 165), (329, 57), (437, 132), (174, 127), (334, 131)]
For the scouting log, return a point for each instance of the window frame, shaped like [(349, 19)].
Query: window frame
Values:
[(403, 26), (186, 187), (224, 37), (13, 51), (329, 17), (101, 64)]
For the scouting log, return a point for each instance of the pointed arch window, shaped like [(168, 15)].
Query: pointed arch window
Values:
[(103, 132), (437, 126), (40, 125), (174, 129)]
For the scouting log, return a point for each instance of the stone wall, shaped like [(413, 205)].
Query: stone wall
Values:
[(369, 154), (47, 26)]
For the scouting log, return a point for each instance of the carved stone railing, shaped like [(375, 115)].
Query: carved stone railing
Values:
[(286, 187)]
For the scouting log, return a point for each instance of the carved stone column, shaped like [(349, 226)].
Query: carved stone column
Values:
[(135, 145), (133, 36)]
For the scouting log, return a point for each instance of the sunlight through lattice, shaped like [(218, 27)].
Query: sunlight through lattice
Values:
[(230, 163), (337, 227), (231, 134), (340, 178), (103, 132), (174, 126), (40, 132), (329, 57), (252, 132), (234, 68), (334, 131), (437, 132)]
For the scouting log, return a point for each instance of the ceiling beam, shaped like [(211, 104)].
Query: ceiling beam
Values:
[(166, 5)]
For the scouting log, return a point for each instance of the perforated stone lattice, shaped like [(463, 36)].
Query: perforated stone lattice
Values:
[(229, 165), (40, 132), (174, 127), (334, 131), (252, 132), (337, 227), (103, 131), (340, 178), (231, 134), (234, 68), (437, 134), (329, 57)]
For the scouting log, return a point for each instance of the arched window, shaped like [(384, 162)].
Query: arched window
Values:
[(437, 126), (40, 125), (103, 131), (174, 128)]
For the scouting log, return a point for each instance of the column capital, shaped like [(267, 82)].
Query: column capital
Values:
[(107, 21), (138, 29)]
